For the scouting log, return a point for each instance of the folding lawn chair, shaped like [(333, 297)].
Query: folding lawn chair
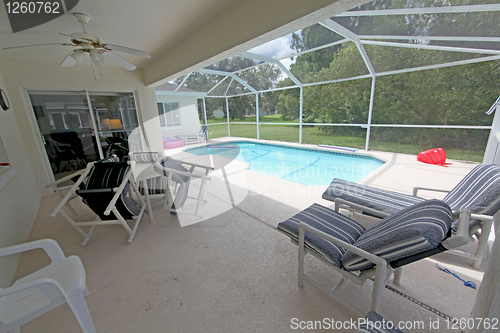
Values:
[(104, 186)]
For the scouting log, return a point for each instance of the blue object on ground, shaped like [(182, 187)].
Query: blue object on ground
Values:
[(466, 283)]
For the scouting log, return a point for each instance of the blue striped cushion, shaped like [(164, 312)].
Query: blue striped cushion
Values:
[(375, 323), (147, 157), (479, 191), (328, 221), (413, 230), (383, 200)]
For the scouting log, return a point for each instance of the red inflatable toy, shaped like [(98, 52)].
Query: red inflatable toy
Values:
[(433, 156)]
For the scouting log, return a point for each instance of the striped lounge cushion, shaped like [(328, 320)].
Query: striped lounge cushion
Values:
[(328, 221), (375, 323), (147, 157), (479, 191), (413, 230), (383, 200)]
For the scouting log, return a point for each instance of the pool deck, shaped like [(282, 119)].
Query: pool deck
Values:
[(233, 271)]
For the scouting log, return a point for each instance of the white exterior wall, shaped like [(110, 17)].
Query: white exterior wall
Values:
[(19, 197), (190, 123), (23, 75)]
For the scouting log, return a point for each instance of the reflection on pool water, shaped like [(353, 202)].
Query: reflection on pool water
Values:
[(299, 165)]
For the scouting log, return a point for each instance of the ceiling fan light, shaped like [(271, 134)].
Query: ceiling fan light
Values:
[(78, 56), (97, 57)]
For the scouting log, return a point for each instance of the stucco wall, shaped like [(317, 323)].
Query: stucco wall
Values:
[(190, 124), (19, 197), (23, 75)]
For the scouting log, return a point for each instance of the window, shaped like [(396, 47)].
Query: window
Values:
[(169, 114)]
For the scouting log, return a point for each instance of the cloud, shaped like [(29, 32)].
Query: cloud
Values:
[(277, 48)]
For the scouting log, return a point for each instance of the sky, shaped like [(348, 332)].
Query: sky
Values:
[(277, 48)]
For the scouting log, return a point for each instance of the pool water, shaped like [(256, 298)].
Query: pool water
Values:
[(299, 165)]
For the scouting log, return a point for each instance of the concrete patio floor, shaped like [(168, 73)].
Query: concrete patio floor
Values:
[(233, 271)]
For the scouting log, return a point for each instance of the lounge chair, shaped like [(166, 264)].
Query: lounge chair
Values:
[(479, 191), (105, 187), (198, 137), (63, 281), (411, 234)]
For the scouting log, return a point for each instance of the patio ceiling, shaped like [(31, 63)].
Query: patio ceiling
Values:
[(181, 36)]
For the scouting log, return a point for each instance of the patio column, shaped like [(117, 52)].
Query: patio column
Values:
[(257, 114), (301, 112), (227, 115), (487, 305), (370, 113), (204, 112)]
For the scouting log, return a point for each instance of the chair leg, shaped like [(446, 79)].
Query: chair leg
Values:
[(77, 303), (302, 254), (378, 286), (482, 245), (398, 272)]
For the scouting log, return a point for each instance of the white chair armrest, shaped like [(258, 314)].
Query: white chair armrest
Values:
[(196, 165), (461, 237), (418, 188), (339, 202), (50, 246), (188, 174), (62, 180), (50, 287)]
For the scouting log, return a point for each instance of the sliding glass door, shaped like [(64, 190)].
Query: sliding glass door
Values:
[(73, 135)]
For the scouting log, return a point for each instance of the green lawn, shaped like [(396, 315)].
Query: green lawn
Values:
[(313, 135)]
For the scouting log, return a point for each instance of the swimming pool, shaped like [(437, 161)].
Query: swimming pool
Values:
[(299, 165)]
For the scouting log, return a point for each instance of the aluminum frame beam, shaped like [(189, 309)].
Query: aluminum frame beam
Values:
[(427, 10), (341, 30), (431, 47)]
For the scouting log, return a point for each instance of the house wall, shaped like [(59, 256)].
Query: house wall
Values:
[(190, 123), (19, 197), (23, 75)]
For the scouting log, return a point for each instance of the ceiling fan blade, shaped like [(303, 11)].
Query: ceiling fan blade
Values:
[(68, 61), (119, 60), (48, 44), (128, 50)]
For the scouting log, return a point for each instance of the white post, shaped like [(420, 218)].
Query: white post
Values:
[(227, 115), (257, 114), (204, 112), (491, 154), (301, 113), (97, 133), (370, 113)]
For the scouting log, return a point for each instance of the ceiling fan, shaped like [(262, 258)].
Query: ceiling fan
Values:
[(85, 43)]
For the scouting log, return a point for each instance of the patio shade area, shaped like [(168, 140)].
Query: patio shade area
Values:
[(235, 272), (390, 75)]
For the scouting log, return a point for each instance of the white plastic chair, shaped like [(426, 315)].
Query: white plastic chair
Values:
[(63, 281)]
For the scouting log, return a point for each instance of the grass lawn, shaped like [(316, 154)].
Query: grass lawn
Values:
[(313, 135)]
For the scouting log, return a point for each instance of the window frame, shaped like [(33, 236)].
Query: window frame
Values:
[(164, 115)]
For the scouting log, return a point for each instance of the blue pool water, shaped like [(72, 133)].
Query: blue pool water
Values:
[(299, 165)]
